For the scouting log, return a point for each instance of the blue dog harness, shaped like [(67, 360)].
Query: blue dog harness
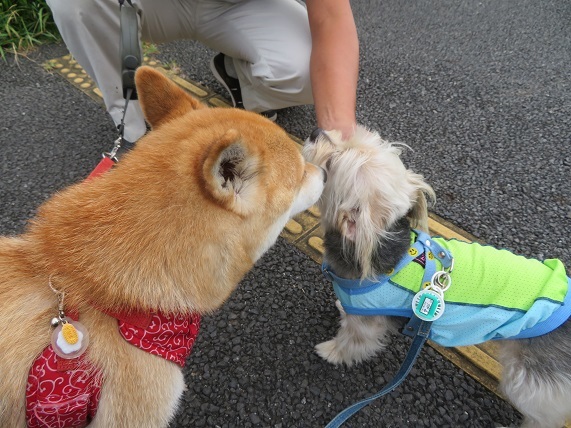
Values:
[(536, 301), (494, 295)]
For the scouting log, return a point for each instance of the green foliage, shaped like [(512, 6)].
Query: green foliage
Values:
[(23, 24)]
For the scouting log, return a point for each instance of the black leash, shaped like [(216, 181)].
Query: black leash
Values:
[(130, 48), (130, 61)]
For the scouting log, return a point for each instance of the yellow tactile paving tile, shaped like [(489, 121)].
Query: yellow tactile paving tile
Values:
[(67, 67), (304, 230)]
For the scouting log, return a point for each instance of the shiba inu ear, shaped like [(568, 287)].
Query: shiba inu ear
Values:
[(231, 173), (160, 98)]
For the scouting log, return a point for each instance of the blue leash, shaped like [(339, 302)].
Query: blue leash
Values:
[(419, 330)]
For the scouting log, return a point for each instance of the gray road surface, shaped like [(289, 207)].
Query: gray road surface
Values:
[(480, 90)]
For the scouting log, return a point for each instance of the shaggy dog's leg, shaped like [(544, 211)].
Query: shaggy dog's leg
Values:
[(538, 388), (358, 339)]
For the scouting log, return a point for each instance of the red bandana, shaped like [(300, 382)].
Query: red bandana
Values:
[(168, 336), (60, 394), (65, 393)]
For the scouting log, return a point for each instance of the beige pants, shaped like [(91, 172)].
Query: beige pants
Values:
[(269, 41)]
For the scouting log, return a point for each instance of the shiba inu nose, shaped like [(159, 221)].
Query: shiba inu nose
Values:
[(324, 174), (315, 134)]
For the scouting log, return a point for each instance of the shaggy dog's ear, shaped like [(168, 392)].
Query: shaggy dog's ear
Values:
[(349, 224), (160, 98), (231, 172), (418, 214)]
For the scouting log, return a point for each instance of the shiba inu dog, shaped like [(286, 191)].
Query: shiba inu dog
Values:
[(124, 264)]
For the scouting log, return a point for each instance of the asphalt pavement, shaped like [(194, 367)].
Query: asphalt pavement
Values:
[(480, 91)]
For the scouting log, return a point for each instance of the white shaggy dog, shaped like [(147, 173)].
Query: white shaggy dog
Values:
[(374, 213)]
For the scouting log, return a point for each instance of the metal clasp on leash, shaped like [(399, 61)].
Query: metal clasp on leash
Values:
[(109, 159), (113, 153)]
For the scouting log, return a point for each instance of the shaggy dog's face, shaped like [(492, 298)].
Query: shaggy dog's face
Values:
[(368, 188)]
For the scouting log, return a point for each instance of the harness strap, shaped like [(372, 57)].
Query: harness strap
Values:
[(420, 331), (423, 244)]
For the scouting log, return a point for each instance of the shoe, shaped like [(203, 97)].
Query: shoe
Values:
[(232, 85)]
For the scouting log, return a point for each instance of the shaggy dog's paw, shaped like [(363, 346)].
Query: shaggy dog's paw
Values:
[(332, 353), (340, 308)]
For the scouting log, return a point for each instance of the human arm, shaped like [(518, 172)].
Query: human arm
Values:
[(334, 63)]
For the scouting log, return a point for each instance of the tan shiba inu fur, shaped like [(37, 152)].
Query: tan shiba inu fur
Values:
[(173, 227)]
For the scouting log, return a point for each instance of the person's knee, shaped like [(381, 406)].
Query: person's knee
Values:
[(293, 77)]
